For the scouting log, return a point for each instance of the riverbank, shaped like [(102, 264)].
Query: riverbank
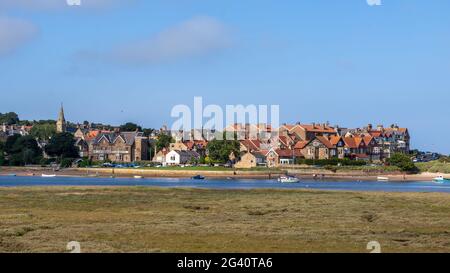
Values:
[(306, 173), (136, 219)]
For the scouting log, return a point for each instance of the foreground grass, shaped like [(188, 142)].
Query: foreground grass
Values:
[(194, 220)]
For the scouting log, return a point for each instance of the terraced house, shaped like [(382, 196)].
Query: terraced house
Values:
[(119, 147), (322, 141)]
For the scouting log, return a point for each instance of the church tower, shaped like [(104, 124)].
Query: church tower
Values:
[(61, 123)]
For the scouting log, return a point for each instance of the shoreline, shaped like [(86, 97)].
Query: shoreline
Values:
[(212, 174)]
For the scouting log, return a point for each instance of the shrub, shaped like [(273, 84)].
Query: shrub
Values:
[(85, 163), (44, 162), (66, 162), (403, 162)]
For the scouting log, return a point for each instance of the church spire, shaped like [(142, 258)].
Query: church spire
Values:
[(61, 123)]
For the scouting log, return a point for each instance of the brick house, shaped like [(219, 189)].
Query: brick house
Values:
[(278, 157), (119, 147), (250, 160)]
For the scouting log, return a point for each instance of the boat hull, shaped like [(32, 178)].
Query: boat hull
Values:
[(288, 180)]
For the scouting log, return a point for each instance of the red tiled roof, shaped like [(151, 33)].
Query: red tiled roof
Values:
[(318, 128), (251, 144), (325, 142), (287, 153), (301, 144), (376, 133), (335, 140), (350, 142)]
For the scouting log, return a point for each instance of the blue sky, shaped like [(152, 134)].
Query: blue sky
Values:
[(344, 62)]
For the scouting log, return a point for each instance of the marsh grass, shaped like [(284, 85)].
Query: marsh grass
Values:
[(139, 219)]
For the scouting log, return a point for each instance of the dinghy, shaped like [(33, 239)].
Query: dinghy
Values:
[(48, 175), (440, 179), (288, 179), (198, 177)]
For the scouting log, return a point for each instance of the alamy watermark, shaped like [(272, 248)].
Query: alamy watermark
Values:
[(73, 2), (235, 122), (74, 247), (374, 2)]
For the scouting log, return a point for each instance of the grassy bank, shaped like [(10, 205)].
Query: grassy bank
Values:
[(434, 167), (182, 220)]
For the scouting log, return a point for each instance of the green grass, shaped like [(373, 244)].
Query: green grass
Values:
[(138, 219), (434, 167)]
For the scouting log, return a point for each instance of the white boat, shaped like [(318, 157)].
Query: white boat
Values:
[(440, 178), (48, 175), (288, 179), (382, 178), (138, 177)]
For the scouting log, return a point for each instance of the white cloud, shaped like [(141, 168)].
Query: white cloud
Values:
[(14, 33), (57, 4), (196, 37)]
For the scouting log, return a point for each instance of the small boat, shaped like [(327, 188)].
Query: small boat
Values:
[(12, 174), (288, 179), (48, 175), (198, 177), (440, 178), (382, 178), (138, 177)]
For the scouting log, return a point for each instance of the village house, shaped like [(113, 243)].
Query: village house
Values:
[(251, 160), (174, 158), (249, 145), (10, 130), (318, 148), (160, 157), (82, 147), (278, 157), (304, 132), (119, 147), (261, 131)]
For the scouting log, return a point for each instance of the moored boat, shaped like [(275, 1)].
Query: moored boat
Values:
[(288, 179), (138, 177), (382, 178), (48, 175), (198, 177), (441, 179)]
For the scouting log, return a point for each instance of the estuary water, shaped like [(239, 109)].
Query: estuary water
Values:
[(426, 186)]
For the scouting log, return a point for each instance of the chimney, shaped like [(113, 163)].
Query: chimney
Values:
[(369, 127), (380, 127)]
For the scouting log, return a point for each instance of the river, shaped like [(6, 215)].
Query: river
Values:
[(12, 181)]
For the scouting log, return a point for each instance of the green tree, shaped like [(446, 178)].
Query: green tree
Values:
[(148, 131), (62, 145), (403, 162), (2, 154), (43, 131), (10, 141), (23, 150), (164, 141), (219, 151), (130, 127), (9, 118)]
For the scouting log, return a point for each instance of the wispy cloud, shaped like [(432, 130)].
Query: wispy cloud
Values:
[(14, 33), (58, 4), (198, 36)]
